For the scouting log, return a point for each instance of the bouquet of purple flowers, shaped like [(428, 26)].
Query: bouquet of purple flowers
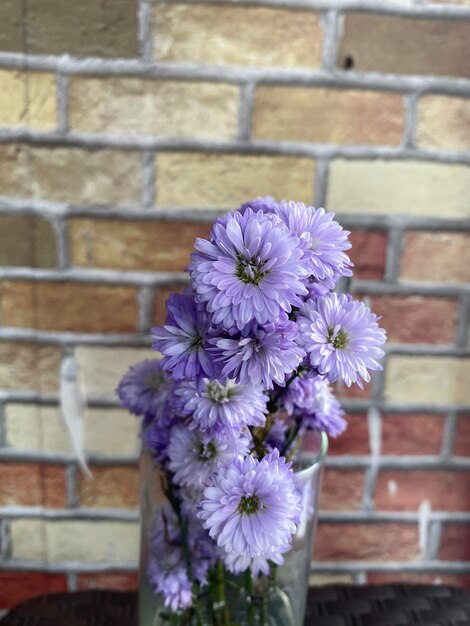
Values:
[(249, 351)]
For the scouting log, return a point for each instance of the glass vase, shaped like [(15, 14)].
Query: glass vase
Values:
[(275, 600)]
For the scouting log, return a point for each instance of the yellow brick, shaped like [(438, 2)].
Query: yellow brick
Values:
[(27, 99), (111, 542), (443, 122), (39, 428), (177, 109), (225, 181), (394, 187), (29, 367), (328, 115), (103, 368), (111, 432), (318, 580), (430, 380), (230, 35), (70, 174)]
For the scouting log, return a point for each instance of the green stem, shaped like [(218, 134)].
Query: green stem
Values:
[(222, 608), (250, 607), (263, 607), (292, 434)]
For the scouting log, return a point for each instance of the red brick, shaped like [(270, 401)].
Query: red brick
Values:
[(28, 484), (110, 487), (120, 244), (121, 581), (462, 436), (353, 392), (159, 304), (355, 440), (385, 578), (342, 489), (69, 306), (379, 43), (441, 256), (455, 542), (15, 587), (366, 542), (415, 434), (405, 490), (368, 254), (412, 319)]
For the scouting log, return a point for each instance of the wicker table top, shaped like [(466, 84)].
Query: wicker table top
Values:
[(335, 605)]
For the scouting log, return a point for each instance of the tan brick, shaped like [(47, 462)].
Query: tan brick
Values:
[(70, 174), (110, 487), (225, 181), (394, 187), (342, 490), (29, 484), (318, 580), (85, 28), (111, 432), (33, 427), (443, 122), (11, 26), (86, 541), (415, 434), (406, 490), (102, 368), (29, 367), (328, 115), (428, 380), (366, 542), (412, 319), (230, 35), (464, 3), (27, 99), (69, 306), (436, 257), (158, 246), (27, 241), (176, 109), (396, 45)]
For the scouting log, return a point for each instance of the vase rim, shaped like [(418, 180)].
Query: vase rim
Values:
[(312, 462)]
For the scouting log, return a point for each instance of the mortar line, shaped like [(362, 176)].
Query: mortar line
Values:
[(72, 581), (448, 436), (246, 112), (463, 322), (72, 486), (148, 168), (375, 444), (146, 297), (330, 24), (422, 567), (3, 432), (144, 16), (393, 254), (61, 229), (5, 540), (235, 74), (321, 182), (62, 88), (410, 102), (434, 541)]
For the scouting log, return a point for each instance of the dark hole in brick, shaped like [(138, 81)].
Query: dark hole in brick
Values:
[(348, 62)]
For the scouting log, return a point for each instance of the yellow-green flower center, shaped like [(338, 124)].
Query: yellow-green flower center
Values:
[(340, 340)]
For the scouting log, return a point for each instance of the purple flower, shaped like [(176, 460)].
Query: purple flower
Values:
[(222, 409), (311, 399), (194, 456), (252, 507), (156, 436), (267, 204), (237, 563), (324, 240), (182, 340), (251, 269), (260, 354), (341, 337), (144, 389)]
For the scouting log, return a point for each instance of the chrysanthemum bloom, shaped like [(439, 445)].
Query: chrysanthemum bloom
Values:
[(260, 354), (267, 204), (144, 389), (251, 269), (156, 435), (236, 563), (251, 507), (194, 457), (182, 340), (222, 409), (311, 399), (341, 338), (324, 240)]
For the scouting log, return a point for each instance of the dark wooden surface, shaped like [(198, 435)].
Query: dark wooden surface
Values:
[(335, 605)]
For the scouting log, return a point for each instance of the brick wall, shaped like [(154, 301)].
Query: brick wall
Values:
[(125, 127)]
